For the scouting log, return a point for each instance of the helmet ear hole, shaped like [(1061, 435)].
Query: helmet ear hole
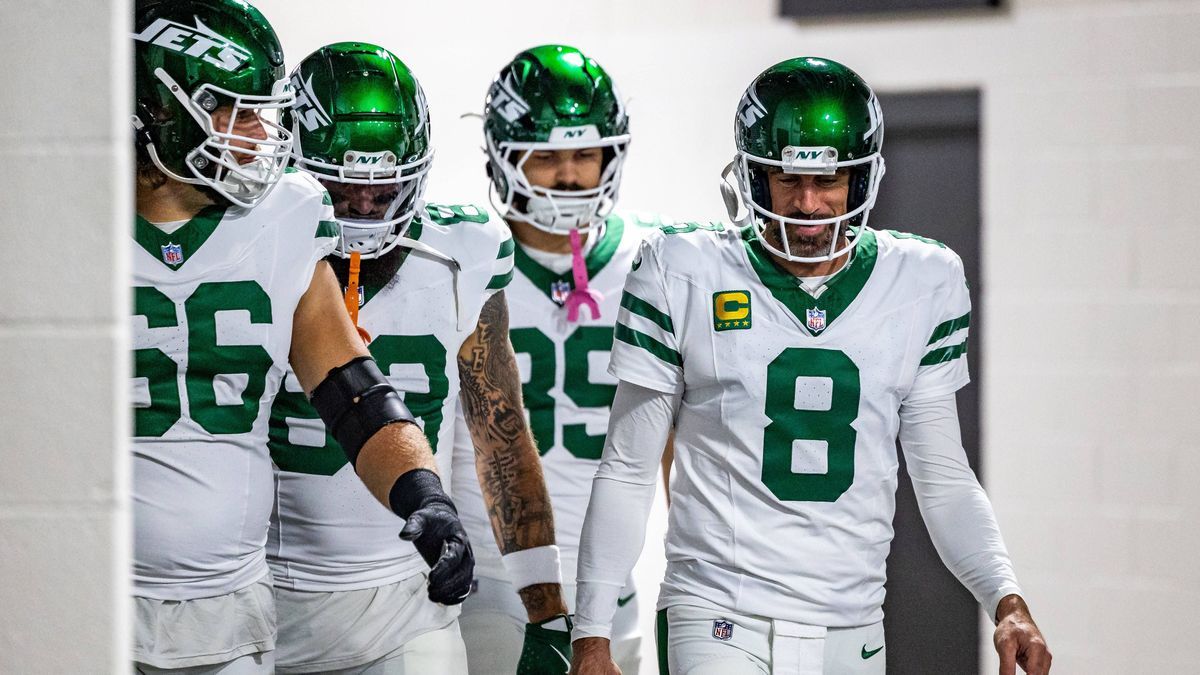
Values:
[(760, 190)]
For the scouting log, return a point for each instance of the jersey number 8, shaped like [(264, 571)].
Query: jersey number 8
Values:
[(790, 424)]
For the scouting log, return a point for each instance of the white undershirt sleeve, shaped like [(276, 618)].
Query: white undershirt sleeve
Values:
[(955, 508), (614, 528)]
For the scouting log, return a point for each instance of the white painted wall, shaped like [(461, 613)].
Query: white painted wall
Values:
[(1093, 306), (64, 167)]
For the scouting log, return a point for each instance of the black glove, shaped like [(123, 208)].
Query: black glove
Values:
[(441, 540), (434, 528)]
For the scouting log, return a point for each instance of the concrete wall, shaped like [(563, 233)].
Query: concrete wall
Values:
[(64, 167)]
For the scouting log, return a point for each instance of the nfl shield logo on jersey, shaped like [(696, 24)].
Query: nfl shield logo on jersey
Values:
[(722, 630), (172, 253), (559, 290), (816, 319), (362, 296)]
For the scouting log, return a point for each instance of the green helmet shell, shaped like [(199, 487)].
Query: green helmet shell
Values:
[(190, 58), (360, 117), (359, 112), (808, 115), (553, 97), (552, 87)]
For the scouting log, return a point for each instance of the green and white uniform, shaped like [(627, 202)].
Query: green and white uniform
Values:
[(567, 393), (329, 535), (785, 437), (212, 329), (786, 396)]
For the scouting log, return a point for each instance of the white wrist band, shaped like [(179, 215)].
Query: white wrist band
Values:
[(538, 565)]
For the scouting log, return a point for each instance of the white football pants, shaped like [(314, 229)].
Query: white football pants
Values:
[(702, 641)]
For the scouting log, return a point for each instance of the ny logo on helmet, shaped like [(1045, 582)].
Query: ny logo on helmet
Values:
[(307, 107), (199, 42)]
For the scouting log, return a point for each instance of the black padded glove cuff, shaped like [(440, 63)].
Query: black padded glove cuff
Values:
[(417, 489)]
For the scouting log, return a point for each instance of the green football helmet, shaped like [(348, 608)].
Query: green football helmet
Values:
[(806, 116), (192, 58), (360, 118), (553, 98)]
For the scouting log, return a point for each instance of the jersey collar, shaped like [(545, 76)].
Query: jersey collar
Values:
[(838, 292), (181, 244), (548, 282)]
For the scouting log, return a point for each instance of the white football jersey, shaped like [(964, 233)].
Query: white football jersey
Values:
[(565, 384), (327, 531), (212, 327), (784, 481)]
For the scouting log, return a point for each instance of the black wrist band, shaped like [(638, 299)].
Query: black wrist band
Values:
[(416, 489)]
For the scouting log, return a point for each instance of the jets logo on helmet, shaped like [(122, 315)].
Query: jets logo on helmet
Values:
[(750, 110), (198, 42), (307, 108), (505, 100)]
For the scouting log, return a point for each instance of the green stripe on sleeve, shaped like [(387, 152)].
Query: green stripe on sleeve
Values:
[(948, 327), (506, 248), (328, 228), (645, 310), (944, 354), (500, 281), (638, 339)]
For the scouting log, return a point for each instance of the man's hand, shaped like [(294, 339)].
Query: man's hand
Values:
[(441, 540), (547, 648), (1018, 639), (593, 658)]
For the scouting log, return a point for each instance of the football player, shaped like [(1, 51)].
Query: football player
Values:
[(229, 286), (556, 136), (426, 283), (787, 356)]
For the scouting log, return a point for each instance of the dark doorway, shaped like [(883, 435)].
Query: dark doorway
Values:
[(931, 145)]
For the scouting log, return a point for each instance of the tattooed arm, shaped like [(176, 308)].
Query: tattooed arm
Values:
[(506, 459)]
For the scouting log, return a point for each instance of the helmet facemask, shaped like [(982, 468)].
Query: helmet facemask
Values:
[(373, 237), (751, 173), (553, 210), (216, 161)]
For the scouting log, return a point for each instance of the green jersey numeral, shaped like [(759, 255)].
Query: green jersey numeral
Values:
[(449, 215), (586, 394), (685, 228), (241, 368), (789, 424), (388, 350), (159, 369)]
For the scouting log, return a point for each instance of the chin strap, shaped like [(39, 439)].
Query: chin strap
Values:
[(581, 294), (351, 298)]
